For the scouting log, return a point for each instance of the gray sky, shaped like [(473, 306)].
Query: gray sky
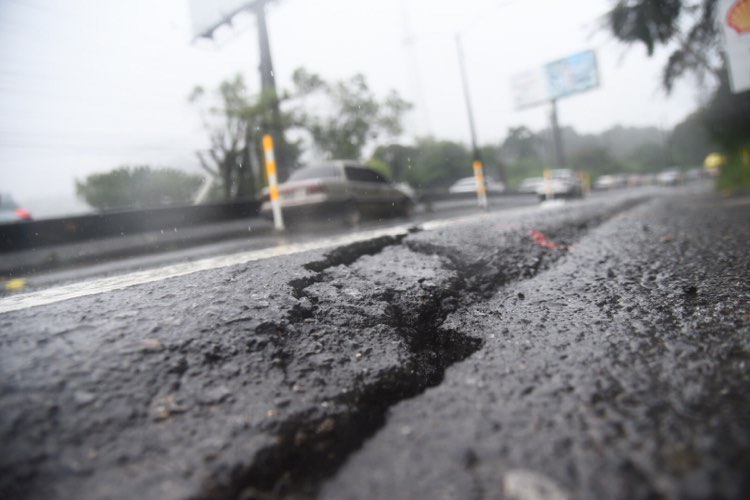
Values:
[(88, 85)]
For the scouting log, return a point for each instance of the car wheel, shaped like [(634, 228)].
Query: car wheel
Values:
[(407, 209)]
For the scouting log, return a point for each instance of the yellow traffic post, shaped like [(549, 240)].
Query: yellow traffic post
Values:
[(548, 193), (481, 186), (273, 183), (586, 181)]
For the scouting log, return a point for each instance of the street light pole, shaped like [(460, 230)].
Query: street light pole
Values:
[(268, 87), (476, 157)]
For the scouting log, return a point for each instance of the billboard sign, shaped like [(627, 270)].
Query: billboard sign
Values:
[(734, 18), (574, 74), (207, 15), (571, 75), (529, 88)]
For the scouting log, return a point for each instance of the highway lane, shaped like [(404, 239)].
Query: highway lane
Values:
[(257, 241)]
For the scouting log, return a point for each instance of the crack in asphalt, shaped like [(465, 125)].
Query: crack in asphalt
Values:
[(311, 446), (342, 256)]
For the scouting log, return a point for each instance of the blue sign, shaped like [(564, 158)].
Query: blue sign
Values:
[(576, 73)]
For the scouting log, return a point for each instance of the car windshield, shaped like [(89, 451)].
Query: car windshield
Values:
[(317, 172)]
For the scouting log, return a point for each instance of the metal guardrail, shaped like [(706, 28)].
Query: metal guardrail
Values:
[(26, 235), (47, 232)]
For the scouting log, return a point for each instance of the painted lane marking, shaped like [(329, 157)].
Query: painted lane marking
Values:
[(103, 285)]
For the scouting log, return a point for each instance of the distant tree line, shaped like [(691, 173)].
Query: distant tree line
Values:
[(138, 187)]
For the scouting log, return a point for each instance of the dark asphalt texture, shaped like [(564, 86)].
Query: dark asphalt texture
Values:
[(596, 350)]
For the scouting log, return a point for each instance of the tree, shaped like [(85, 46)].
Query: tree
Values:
[(520, 143), (689, 26), (439, 163), (236, 122), (690, 141), (356, 116), (595, 159), (650, 157), (399, 158), (138, 187), (520, 151), (494, 165)]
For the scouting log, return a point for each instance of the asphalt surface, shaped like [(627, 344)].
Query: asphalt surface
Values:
[(590, 350)]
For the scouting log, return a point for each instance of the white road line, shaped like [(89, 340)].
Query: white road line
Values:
[(103, 285)]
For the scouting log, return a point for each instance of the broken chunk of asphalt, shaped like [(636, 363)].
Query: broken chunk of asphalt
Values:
[(253, 402)]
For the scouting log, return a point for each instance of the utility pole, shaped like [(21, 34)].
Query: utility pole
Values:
[(477, 159), (557, 137), (268, 89)]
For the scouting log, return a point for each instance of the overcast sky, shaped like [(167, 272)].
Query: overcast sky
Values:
[(88, 85)]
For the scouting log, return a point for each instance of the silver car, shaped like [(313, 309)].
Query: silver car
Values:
[(469, 185), (561, 183), (339, 189)]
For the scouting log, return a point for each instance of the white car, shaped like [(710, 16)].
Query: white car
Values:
[(469, 185), (340, 189), (562, 183), (670, 177), (530, 185)]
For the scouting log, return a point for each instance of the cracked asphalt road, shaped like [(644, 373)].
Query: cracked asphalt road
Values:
[(597, 350)]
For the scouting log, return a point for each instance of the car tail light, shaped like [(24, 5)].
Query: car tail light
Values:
[(23, 214), (316, 188)]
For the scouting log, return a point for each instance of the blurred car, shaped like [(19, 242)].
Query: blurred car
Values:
[(611, 182), (10, 211), (670, 177), (341, 189), (530, 185), (469, 185), (562, 183)]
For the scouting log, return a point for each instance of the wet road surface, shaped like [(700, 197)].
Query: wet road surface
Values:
[(64, 264), (592, 350)]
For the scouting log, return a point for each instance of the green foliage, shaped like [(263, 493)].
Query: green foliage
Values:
[(690, 141), (650, 157), (520, 143), (138, 187), (494, 164), (236, 121), (727, 117), (735, 175), (399, 158), (523, 169), (429, 164), (595, 159), (439, 164), (690, 23), (520, 151), (356, 116)]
